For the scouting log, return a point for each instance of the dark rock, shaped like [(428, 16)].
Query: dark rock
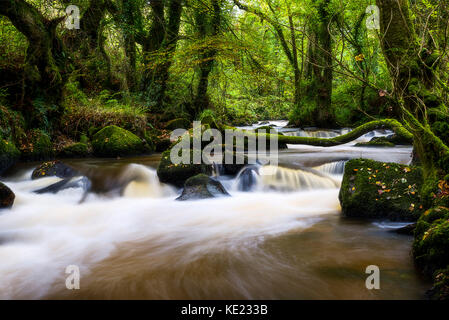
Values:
[(177, 174), (372, 189), (54, 169), (202, 186), (78, 182), (408, 230), (6, 197)]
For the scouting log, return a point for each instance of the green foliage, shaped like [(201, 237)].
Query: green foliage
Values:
[(75, 150), (8, 154), (36, 146)]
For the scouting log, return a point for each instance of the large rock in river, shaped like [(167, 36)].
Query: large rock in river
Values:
[(54, 169), (113, 141), (372, 189), (202, 187), (6, 197), (177, 174)]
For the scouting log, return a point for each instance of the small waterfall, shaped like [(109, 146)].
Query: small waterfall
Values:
[(247, 178), (143, 183), (336, 167), (284, 179), (268, 178)]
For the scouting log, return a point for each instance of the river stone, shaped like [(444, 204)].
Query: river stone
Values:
[(202, 186), (372, 189), (54, 169), (6, 197)]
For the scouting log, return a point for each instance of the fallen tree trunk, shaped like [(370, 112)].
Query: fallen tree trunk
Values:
[(390, 124)]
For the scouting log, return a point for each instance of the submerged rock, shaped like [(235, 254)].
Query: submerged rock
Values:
[(8, 154), (54, 169), (372, 189), (77, 182), (113, 141), (6, 197), (202, 186)]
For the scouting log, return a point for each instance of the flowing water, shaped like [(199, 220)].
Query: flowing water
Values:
[(280, 235)]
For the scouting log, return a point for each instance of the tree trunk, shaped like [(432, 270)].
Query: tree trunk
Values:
[(45, 58), (320, 70), (209, 51), (159, 48), (412, 79)]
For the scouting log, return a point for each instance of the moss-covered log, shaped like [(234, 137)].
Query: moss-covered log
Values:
[(390, 124)]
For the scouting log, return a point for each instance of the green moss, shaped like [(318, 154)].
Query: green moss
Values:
[(8, 154), (75, 150), (440, 289), (37, 146), (431, 245), (372, 189), (113, 141)]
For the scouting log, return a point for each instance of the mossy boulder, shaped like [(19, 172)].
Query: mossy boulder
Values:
[(6, 197), (113, 141), (75, 150), (37, 146), (54, 169), (8, 154), (202, 186), (372, 189), (179, 123), (177, 174)]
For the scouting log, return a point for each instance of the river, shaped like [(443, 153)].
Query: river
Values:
[(281, 238)]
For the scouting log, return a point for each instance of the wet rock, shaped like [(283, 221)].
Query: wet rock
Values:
[(372, 189), (202, 186), (177, 174), (6, 197), (54, 169), (8, 154), (77, 182), (113, 141), (408, 230)]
